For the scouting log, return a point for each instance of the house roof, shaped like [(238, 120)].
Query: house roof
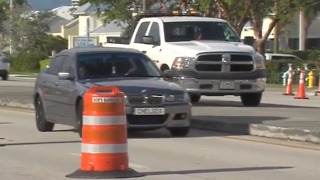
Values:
[(111, 27), (63, 11), (56, 23), (88, 8)]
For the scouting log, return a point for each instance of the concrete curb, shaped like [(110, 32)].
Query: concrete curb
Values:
[(233, 128), (258, 130), (14, 104)]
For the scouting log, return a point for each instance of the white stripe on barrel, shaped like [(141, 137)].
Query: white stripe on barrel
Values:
[(104, 148), (105, 120)]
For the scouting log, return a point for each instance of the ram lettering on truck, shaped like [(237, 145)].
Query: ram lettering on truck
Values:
[(205, 55)]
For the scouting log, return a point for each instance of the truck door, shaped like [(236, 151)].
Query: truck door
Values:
[(137, 41), (154, 50)]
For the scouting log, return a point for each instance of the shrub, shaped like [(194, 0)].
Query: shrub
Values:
[(44, 63), (26, 61)]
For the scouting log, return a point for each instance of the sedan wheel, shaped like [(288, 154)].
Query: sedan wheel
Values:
[(179, 131), (42, 124), (79, 117)]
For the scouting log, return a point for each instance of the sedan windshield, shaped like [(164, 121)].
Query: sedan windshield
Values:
[(199, 30), (115, 64)]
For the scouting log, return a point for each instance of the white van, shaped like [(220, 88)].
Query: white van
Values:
[(4, 67)]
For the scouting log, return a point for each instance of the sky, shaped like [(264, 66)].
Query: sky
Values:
[(48, 4)]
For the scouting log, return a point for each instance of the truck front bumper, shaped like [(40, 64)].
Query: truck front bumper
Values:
[(220, 84), (221, 87)]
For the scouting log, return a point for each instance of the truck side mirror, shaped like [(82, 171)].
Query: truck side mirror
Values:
[(148, 40), (249, 40)]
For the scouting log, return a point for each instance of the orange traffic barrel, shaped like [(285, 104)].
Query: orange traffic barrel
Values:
[(104, 152)]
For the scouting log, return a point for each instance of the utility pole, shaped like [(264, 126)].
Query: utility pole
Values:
[(276, 28), (10, 33), (87, 31), (302, 37)]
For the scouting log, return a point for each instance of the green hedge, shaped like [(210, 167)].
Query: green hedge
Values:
[(44, 63), (26, 61)]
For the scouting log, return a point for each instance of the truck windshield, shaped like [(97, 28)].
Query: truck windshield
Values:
[(189, 31), (115, 64)]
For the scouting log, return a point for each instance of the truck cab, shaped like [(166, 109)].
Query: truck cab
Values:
[(205, 55)]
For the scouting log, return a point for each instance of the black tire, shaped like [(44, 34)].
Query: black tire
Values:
[(5, 77), (251, 99), (41, 121), (179, 131), (79, 114), (164, 67), (195, 98)]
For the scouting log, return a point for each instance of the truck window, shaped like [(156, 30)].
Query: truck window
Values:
[(199, 30), (141, 32), (155, 32)]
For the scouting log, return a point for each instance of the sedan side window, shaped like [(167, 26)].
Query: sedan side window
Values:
[(67, 66), (55, 66)]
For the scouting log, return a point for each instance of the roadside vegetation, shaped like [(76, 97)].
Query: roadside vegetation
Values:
[(33, 46)]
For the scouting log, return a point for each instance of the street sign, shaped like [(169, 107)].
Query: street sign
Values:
[(80, 42)]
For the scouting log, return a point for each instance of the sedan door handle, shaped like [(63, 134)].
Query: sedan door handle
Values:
[(56, 83)]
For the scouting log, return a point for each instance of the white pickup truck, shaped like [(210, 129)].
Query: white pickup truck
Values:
[(205, 56)]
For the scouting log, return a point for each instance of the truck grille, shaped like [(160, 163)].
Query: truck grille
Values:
[(145, 100), (228, 62)]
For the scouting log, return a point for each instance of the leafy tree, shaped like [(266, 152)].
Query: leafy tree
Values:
[(49, 42), (26, 27)]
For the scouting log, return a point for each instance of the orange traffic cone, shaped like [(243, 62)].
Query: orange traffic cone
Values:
[(289, 85), (301, 94)]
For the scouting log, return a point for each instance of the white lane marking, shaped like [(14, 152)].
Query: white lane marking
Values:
[(131, 165)]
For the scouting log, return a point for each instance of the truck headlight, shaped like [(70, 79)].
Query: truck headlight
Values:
[(183, 97), (183, 62), (259, 62)]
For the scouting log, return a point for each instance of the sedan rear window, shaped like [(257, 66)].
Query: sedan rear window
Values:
[(115, 64)]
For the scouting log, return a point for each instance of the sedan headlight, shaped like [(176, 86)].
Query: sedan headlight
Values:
[(183, 62), (177, 97), (259, 62)]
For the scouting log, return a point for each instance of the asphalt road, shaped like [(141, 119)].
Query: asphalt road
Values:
[(27, 154), (278, 116)]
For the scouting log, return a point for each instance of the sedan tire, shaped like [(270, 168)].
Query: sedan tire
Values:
[(41, 121), (179, 131), (79, 117)]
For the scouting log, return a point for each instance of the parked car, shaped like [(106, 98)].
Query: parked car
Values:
[(4, 67), (59, 90), (276, 56)]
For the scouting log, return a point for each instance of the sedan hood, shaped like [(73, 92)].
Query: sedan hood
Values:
[(137, 85)]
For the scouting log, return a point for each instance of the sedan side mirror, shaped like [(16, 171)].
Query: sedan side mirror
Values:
[(65, 76)]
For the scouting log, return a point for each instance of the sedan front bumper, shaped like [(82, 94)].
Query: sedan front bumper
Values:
[(176, 115)]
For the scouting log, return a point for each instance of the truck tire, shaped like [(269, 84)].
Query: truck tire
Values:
[(195, 98), (251, 99)]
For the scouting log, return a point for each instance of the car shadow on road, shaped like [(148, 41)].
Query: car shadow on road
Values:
[(235, 125), (37, 143), (239, 104), (199, 171)]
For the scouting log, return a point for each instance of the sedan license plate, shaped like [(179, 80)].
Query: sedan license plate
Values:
[(149, 111), (227, 85)]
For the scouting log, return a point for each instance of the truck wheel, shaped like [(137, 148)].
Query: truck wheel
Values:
[(164, 67), (251, 99), (195, 98), (41, 121), (179, 131)]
